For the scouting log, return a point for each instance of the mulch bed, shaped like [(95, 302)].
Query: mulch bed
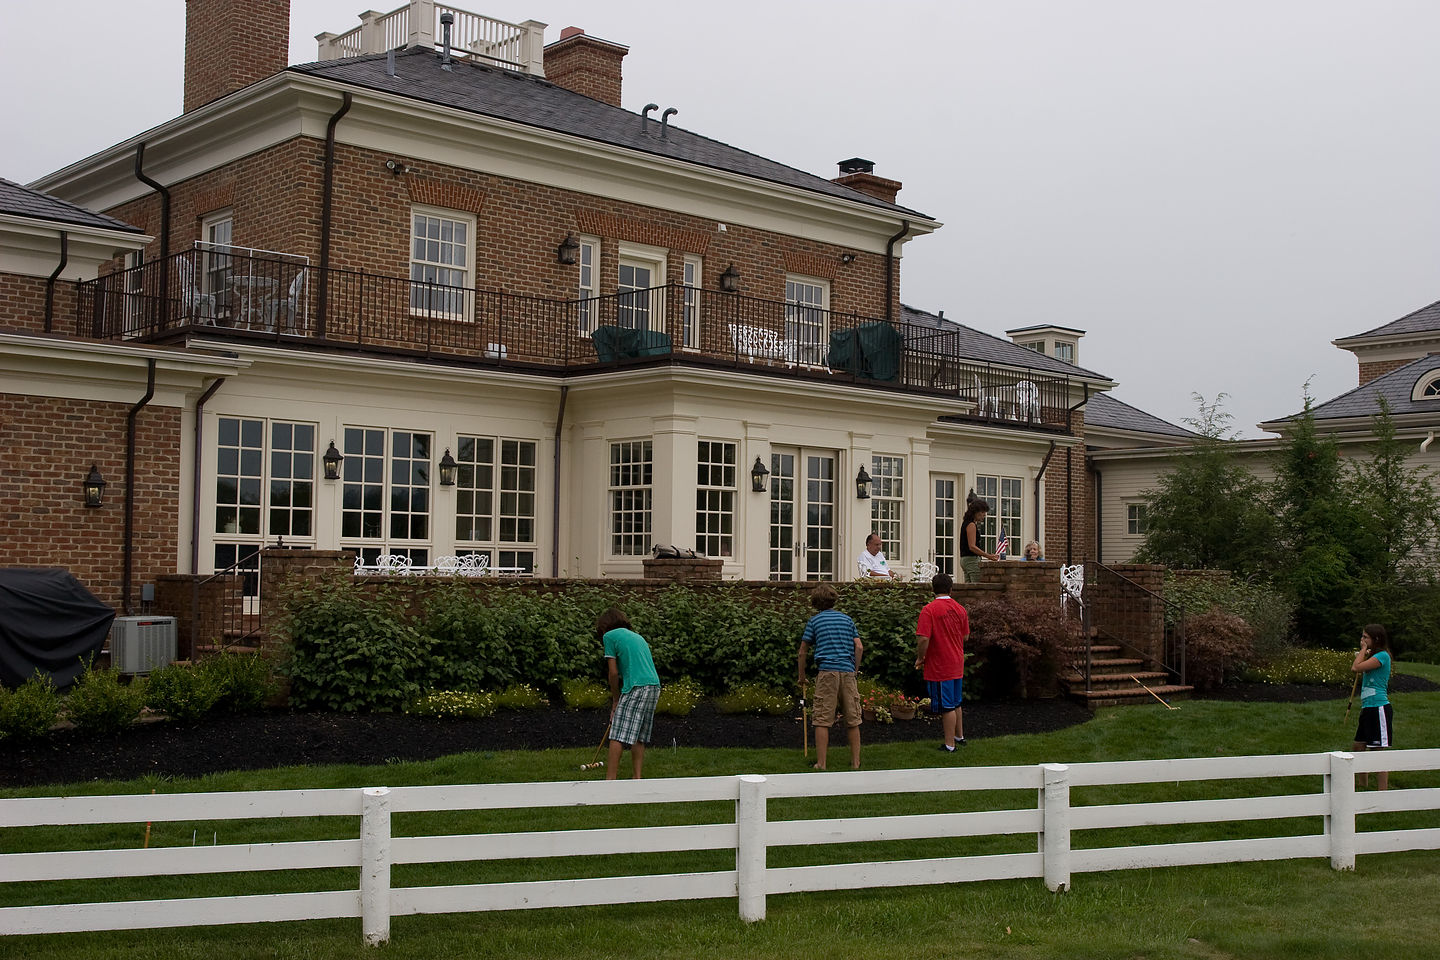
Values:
[(269, 739)]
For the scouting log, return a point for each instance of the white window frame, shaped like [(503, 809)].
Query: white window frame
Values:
[(1063, 347), (887, 504), (454, 306), (587, 285), (945, 537), (1037, 345), (370, 546), (801, 350), (1006, 496), (631, 496), (716, 491), (692, 279), (1427, 387), (650, 258), (217, 230), (1137, 518), (508, 500)]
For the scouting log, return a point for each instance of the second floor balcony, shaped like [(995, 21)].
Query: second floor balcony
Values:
[(246, 295)]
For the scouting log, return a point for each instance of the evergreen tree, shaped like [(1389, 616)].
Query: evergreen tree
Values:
[(1209, 512)]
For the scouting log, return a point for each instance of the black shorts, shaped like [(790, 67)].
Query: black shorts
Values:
[(1377, 726)]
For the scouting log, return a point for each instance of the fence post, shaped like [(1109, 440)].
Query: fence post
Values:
[(1055, 826), (1340, 824), (375, 865), (750, 848)]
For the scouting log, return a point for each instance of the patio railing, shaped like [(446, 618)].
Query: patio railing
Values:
[(254, 295)]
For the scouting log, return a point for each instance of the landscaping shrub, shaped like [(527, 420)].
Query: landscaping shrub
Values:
[(584, 694), (679, 698), (30, 710), (1218, 646), (1303, 666), (351, 651), (99, 702), (453, 705), (242, 681), (182, 692), (1017, 647), (754, 698), (1268, 611), (521, 696)]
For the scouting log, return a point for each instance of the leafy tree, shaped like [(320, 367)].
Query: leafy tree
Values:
[(1209, 511)]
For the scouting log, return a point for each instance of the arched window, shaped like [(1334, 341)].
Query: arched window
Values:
[(1428, 388)]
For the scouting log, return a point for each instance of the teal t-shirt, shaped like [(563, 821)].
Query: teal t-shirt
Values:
[(1374, 684), (632, 657)]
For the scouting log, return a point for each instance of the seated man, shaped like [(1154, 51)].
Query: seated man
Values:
[(872, 562)]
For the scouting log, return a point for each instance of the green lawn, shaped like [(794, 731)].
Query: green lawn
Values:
[(1297, 909)]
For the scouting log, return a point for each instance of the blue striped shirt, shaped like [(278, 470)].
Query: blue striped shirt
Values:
[(832, 635)]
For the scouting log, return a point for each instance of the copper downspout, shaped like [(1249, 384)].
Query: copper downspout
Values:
[(50, 280), (128, 546)]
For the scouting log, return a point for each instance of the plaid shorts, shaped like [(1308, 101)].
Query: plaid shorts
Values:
[(635, 715)]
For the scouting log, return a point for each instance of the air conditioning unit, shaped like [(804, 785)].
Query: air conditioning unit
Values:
[(142, 644)]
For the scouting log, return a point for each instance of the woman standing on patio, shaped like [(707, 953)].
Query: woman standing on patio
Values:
[(970, 549)]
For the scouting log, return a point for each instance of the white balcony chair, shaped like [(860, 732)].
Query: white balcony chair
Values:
[(1027, 401), (287, 308), (193, 303), (987, 402), (751, 342)]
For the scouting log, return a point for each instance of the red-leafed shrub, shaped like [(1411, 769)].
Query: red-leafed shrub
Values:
[(1218, 645), (1018, 647)]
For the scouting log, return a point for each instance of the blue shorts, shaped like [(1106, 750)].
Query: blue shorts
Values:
[(944, 694)]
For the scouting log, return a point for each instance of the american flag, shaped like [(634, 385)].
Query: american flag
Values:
[(1003, 545)]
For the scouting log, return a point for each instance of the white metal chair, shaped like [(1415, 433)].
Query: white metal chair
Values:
[(447, 566), (475, 565), (287, 308), (1027, 401), (1072, 584), (923, 571), (987, 402), (194, 303)]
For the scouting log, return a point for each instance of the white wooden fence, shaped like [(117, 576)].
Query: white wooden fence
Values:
[(750, 835)]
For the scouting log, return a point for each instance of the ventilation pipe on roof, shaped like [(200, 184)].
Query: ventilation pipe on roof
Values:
[(446, 19), (645, 116), (665, 122)]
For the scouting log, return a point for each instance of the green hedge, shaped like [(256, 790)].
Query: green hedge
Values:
[(354, 646)]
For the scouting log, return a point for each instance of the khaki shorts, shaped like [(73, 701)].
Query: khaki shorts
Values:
[(828, 685)]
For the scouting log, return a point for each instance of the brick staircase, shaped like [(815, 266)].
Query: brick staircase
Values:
[(1114, 676)]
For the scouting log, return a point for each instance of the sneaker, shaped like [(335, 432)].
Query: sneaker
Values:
[(960, 742), (945, 749)]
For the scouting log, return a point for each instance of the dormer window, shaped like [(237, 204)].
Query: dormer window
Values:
[(1065, 351), (1062, 343), (1427, 387)]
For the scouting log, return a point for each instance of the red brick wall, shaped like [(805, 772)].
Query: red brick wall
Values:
[(230, 44), (22, 302), (48, 447), (1370, 369), (587, 66), (1080, 535)]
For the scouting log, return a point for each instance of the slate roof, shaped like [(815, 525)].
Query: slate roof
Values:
[(521, 98), (1424, 320), (1103, 410), (23, 202), (1395, 386), (975, 345)]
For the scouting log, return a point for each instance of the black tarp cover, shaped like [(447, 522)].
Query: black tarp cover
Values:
[(48, 622)]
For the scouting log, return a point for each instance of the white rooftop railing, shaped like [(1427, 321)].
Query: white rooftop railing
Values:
[(519, 46)]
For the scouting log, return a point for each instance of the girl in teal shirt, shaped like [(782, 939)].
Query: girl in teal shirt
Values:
[(1377, 720)]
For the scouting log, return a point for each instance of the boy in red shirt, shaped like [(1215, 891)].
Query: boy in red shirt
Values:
[(941, 633)]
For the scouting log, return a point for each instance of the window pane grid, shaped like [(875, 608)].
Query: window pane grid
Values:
[(631, 470), (805, 319), (715, 499), (389, 508), (945, 525), (439, 265), (887, 504), (1003, 495), (691, 306)]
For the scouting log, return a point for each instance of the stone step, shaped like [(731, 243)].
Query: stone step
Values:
[(1127, 679), (1116, 698), (1094, 649), (1112, 664)]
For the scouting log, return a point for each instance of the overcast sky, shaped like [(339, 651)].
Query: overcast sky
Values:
[(1212, 190)]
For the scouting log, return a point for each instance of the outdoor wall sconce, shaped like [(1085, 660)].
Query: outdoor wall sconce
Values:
[(332, 460), (447, 469), (847, 258), (730, 279), (396, 167), (758, 473), (862, 484), (568, 252), (94, 487)]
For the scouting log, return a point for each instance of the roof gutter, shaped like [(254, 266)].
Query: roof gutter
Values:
[(890, 270), (50, 280), (327, 210), (1425, 444), (128, 545)]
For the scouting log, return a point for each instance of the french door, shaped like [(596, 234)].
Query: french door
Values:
[(802, 514)]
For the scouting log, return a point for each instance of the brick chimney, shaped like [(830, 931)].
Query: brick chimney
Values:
[(858, 174), (587, 65), (230, 44)]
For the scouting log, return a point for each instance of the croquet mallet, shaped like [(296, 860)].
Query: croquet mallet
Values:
[(804, 725), (1153, 693), (1353, 687), (595, 762)]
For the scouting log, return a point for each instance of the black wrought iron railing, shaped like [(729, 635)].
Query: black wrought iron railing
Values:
[(1140, 621), (232, 293), (225, 608)]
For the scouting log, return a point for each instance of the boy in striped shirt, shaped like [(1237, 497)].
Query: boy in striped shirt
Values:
[(837, 657)]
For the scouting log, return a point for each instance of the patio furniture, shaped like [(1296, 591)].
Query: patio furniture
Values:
[(1027, 401), (871, 351), (987, 402), (254, 300), (193, 302), (1072, 584), (614, 343), (285, 312), (751, 342)]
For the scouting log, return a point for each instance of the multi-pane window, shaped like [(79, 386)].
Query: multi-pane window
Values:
[(1136, 519), (715, 499), (588, 260), (440, 258), (691, 307), (218, 231), (1065, 351), (633, 305), (385, 492), (887, 504), (1003, 495), (945, 524), (1431, 389), (495, 502), (631, 475), (264, 487), (1037, 345), (805, 304)]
